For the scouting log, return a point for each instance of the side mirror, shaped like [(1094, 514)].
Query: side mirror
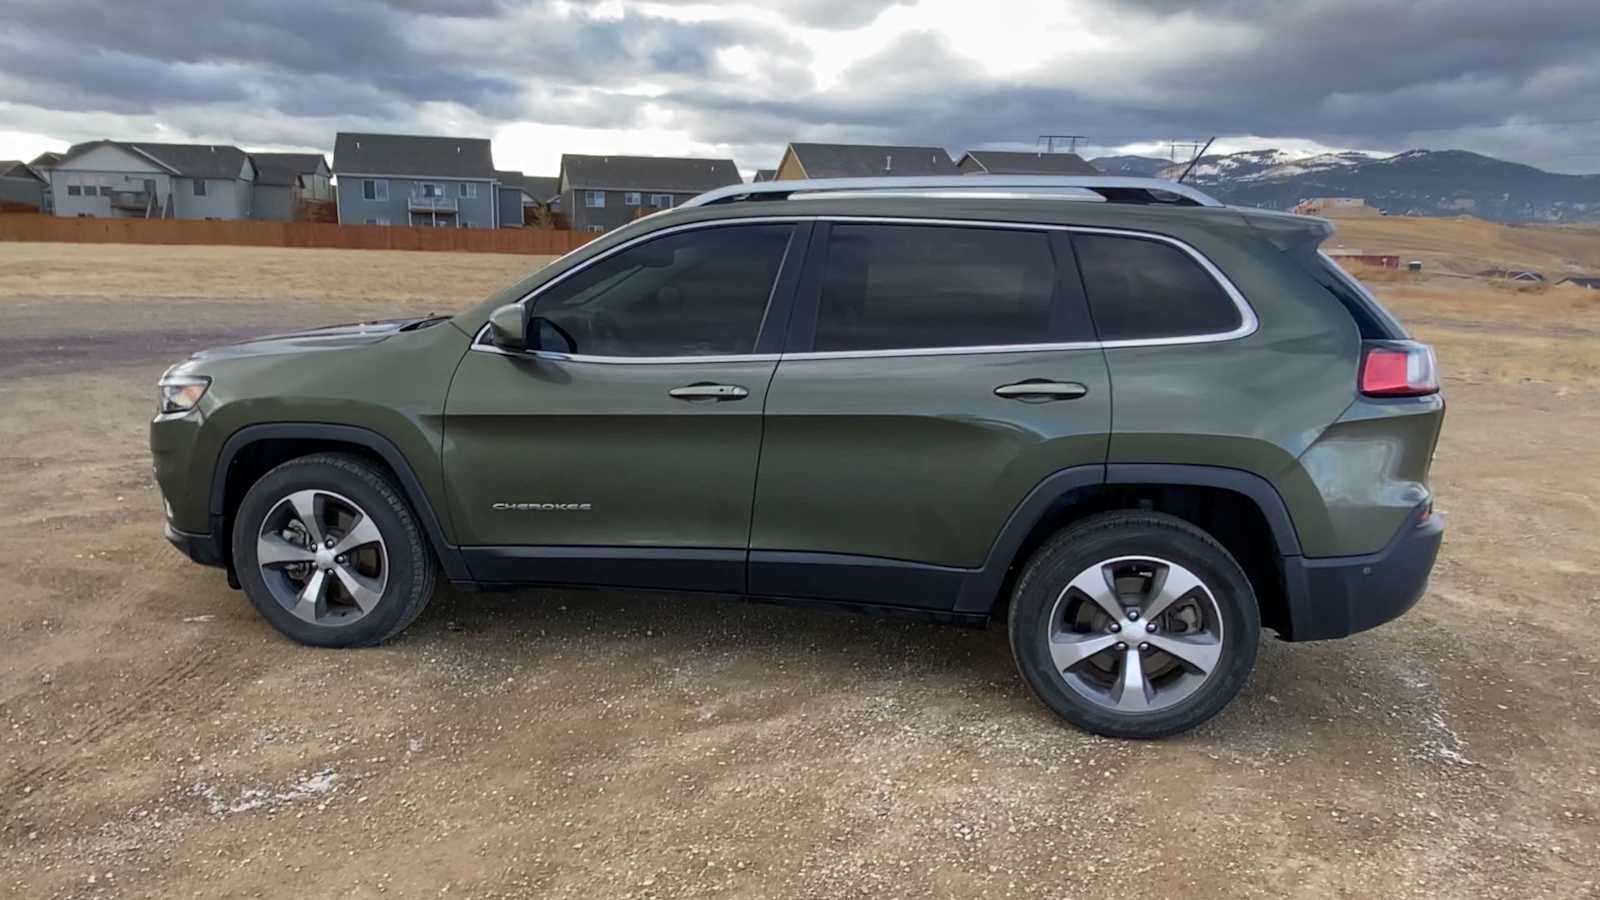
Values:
[(508, 327)]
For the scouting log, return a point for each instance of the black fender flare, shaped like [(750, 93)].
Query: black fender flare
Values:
[(449, 555), (980, 589)]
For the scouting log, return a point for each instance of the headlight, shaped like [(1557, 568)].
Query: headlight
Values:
[(179, 393)]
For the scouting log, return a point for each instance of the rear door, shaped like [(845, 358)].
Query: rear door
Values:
[(934, 375), (630, 460)]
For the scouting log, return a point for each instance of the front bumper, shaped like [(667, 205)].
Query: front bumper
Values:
[(204, 549), (1333, 597)]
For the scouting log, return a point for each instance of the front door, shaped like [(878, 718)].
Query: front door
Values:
[(935, 375), (630, 460)]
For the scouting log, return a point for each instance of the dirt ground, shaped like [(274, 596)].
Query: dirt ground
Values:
[(157, 739)]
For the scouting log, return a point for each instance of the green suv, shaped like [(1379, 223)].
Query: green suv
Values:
[(1132, 424)]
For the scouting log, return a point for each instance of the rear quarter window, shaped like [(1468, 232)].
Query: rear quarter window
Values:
[(1145, 289)]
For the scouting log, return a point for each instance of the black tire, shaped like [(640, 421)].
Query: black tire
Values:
[(1108, 536), (410, 562)]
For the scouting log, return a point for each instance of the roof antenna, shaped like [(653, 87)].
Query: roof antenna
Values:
[(1190, 166)]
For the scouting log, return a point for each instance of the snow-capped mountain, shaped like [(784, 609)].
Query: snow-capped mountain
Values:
[(1417, 182)]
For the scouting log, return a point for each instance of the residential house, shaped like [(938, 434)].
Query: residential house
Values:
[(283, 180), (400, 179), (599, 193), (861, 161), (1512, 274), (1006, 162), (21, 187), (42, 164), (1588, 282), (521, 194), (764, 175), (143, 180)]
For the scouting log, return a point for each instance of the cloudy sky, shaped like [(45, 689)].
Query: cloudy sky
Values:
[(743, 78)]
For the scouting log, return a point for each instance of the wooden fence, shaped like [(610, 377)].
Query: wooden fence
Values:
[(538, 242)]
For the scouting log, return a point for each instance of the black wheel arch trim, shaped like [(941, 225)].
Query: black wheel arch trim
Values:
[(450, 557), (981, 588), (1259, 490)]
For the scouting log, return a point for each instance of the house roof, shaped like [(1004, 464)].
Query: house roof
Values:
[(672, 174), (16, 168), (1005, 162), (286, 168), (184, 160), (539, 187), (871, 160), (46, 160), (765, 175), (412, 155)]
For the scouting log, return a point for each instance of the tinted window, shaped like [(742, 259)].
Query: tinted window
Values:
[(905, 286), (695, 293), (1140, 289)]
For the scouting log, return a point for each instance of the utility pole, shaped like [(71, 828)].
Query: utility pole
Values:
[(1049, 141), (1189, 148)]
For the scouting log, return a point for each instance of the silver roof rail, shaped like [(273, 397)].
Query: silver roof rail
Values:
[(1113, 188)]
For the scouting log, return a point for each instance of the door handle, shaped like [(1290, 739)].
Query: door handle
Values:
[(1039, 390), (707, 391)]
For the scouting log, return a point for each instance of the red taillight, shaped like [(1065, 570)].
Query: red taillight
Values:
[(1399, 369)]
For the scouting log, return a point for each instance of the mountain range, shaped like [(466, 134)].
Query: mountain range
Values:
[(1414, 183)]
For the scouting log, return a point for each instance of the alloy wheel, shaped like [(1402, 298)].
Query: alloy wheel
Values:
[(322, 557), (1135, 634)]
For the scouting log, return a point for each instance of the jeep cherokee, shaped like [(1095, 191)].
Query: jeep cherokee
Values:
[(1133, 424)]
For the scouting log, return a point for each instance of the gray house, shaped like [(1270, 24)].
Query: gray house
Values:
[(1004, 162), (861, 161), (42, 164), (141, 180), (520, 193), (22, 184), (398, 179), (283, 180), (599, 193)]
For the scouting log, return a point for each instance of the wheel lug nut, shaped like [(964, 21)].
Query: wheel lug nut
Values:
[(1150, 626), (342, 560), (1121, 646), (328, 543), (1115, 627), (1133, 615), (1143, 646)]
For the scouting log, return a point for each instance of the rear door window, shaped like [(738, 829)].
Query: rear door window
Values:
[(1144, 289), (891, 287)]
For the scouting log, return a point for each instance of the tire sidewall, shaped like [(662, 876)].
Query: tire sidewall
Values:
[(400, 537), (1078, 549)]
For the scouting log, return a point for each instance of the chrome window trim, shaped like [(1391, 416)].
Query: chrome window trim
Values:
[(1248, 322)]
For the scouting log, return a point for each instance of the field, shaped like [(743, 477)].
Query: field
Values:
[(158, 740)]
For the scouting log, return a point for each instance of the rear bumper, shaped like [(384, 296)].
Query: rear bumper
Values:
[(1332, 597), (202, 548)]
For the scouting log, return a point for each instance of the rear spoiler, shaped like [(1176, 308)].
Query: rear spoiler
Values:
[(1288, 231)]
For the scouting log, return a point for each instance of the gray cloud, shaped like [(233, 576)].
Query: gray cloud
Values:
[(1363, 73)]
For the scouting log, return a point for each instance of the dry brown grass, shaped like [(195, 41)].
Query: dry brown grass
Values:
[(451, 280), (1466, 246)]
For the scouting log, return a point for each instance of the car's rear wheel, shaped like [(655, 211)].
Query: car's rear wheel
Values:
[(1133, 624), (330, 553)]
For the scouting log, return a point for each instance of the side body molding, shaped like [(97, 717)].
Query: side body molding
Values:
[(449, 555)]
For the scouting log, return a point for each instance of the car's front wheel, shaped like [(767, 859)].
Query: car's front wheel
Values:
[(1134, 624), (330, 553)]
